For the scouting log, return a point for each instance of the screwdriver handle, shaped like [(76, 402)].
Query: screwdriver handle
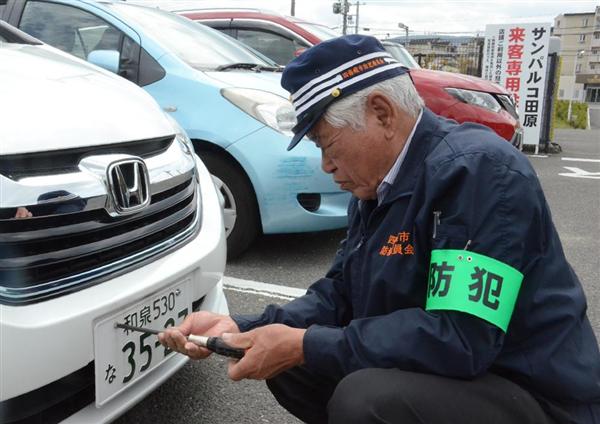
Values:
[(217, 345)]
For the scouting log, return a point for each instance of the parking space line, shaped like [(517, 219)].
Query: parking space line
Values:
[(262, 289), (580, 173), (581, 160)]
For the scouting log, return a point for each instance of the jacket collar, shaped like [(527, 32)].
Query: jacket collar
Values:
[(421, 144)]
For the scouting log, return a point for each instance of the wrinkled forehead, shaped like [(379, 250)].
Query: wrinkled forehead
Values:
[(314, 133), (319, 131)]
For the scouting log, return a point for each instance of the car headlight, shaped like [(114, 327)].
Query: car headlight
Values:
[(477, 98), (184, 141), (181, 135), (268, 108)]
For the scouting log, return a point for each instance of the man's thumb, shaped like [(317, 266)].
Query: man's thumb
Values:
[(242, 340)]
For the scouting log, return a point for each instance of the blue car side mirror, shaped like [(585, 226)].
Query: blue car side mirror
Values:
[(107, 59)]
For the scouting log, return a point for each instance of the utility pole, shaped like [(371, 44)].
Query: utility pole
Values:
[(357, 14), (578, 54), (293, 12), (343, 7), (405, 27), (344, 16)]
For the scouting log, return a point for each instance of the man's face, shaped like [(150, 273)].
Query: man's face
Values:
[(357, 160)]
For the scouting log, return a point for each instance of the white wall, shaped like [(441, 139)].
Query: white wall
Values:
[(570, 89)]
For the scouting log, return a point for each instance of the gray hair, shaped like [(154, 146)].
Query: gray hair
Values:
[(350, 111)]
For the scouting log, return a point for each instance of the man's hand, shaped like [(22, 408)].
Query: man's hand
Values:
[(201, 323), (269, 350), (23, 213)]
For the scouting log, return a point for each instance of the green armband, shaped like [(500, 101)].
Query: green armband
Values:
[(465, 281)]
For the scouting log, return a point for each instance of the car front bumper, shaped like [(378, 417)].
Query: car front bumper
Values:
[(44, 343), (293, 193), (215, 301)]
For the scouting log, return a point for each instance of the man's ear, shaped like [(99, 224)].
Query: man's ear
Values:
[(383, 111)]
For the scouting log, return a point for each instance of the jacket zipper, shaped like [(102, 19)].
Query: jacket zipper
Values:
[(436, 222)]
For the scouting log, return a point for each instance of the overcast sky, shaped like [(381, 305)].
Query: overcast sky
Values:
[(451, 16)]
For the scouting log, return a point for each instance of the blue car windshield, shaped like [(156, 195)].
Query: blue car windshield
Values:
[(199, 46)]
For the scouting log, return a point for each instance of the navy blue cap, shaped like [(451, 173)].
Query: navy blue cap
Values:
[(331, 71)]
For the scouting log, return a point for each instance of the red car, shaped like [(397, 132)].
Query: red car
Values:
[(456, 96)]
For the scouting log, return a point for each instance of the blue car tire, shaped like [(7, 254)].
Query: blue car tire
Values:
[(240, 210)]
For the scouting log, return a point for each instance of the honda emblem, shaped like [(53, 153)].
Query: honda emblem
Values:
[(129, 185)]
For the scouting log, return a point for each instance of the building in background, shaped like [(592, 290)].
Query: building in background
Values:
[(580, 52)]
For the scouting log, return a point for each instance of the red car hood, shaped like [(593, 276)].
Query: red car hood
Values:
[(448, 79)]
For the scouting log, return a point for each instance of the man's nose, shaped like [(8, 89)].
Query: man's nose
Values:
[(326, 164)]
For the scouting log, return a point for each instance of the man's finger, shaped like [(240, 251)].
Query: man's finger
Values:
[(238, 370), (186, 326), (165, 339), (174, 339), (179, 339), (196, 352), (241, 340)]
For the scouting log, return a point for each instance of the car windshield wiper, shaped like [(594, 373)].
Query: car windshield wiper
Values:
[(251, 66), (239, 65), (276, 68)]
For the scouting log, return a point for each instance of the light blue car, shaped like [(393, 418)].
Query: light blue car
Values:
[(227, 98)]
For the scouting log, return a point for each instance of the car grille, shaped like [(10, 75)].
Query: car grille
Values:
[(76, 235), (47, 163)]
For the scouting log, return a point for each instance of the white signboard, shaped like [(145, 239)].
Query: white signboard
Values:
[(515, 56)]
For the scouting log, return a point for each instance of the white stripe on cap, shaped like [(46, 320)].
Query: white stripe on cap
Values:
[(306, 97), (328, 84), (346, 84), (353, 62)]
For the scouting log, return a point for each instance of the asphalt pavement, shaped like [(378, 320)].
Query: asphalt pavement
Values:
[(201, 392)]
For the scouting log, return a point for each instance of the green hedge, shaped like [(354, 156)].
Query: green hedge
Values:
[(579, 113)]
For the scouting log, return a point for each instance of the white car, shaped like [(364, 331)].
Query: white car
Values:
[(106, 216)]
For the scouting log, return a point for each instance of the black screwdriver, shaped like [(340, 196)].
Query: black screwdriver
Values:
[(214, 344)]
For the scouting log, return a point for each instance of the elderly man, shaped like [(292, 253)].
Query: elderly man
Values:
[(450, 301)]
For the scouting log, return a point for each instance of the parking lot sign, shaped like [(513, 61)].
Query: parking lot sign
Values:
[(516, 57)]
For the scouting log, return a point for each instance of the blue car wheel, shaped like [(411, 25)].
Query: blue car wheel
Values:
[(240, 211)]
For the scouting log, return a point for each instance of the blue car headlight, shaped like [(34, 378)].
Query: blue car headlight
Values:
[(477, 98), (268, 108)]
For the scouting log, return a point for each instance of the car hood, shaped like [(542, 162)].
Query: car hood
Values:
[(52, 101), (448, 79), (264, 80)]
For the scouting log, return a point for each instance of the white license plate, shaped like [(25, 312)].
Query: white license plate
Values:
[(122, 356)]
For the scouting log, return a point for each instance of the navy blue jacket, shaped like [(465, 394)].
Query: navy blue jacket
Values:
[(369, 310)]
